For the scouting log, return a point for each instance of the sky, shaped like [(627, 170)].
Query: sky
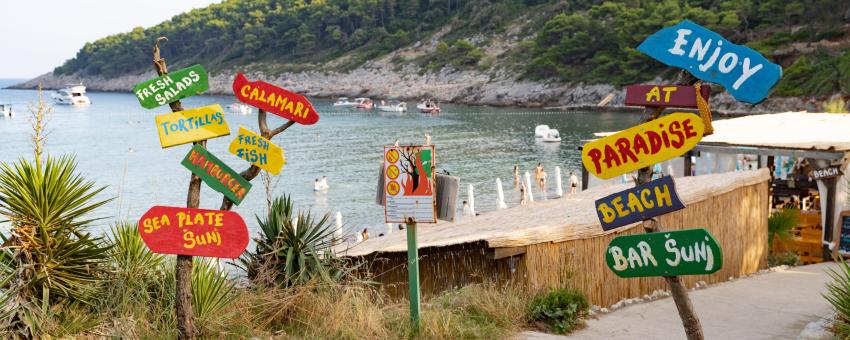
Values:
[(38, 35)]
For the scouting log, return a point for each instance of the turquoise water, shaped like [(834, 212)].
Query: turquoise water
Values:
[(116, 144)]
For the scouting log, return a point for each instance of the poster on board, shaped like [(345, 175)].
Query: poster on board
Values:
[(409, 184)]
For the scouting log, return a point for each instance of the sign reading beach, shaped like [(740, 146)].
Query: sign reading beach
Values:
[(172, 87), (268, 97), (193, 125), (683, 252), (746, 74), (257, 150), (409, 184), (194, 232), (642, 145), (216, 174), (665, 95), (638, 203)]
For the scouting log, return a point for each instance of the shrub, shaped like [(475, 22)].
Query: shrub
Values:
[(559, 309), (779, 225), (838, 295), (784, 258)]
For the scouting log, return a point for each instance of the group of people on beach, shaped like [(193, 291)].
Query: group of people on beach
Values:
[(541, 178)]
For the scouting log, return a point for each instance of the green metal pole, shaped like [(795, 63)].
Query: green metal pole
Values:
[(413, 273)]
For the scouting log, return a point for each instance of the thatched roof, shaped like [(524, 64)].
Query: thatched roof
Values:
[(555, 220)]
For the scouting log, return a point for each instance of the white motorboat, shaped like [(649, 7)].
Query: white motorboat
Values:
[(393, 106), (552, 136), (343, 102), (364, 103), (6, 110), (74, 94), (540, 131), (240, 108)]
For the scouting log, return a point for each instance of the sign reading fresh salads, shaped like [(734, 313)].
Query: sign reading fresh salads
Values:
[(172, 87)]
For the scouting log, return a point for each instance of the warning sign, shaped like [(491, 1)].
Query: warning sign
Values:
[(409, 178)]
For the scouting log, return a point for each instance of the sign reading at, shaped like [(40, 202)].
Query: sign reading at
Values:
[(274, 99), (257, 150), (194, 232), (193, 125), (684, 252), (827, 172), (745, 73), (172, 87), (216, 174), (639, 203), (409, 184), (642, 145), (665, 95)]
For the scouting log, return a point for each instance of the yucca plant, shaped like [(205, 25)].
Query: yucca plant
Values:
[(47, 257), (838, 295), (780, 224)]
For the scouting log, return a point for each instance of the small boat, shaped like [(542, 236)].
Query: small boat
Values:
[(344, 102), (541, 130), (6, 110), (393, 106), (428, 106), (74, 94), (365, 103), (552, 136), (240, 108)]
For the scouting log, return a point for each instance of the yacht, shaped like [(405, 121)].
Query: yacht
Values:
[(240, 108), (552, 136), (428, 106), (74, 94), (364, 103), (393, 106), (343, 101), (541, 130)]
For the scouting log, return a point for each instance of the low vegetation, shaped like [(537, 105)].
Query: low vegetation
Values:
[(560, 310), (838, 295)]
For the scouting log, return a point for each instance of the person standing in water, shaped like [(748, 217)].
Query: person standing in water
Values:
[(537, 171), (522, 194), (516, 176), (573, 183), (542, 183)]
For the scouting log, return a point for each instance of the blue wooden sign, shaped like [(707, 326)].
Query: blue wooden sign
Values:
[(745, 73), (645, 201)]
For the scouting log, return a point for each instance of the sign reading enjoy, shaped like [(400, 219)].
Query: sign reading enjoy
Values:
[(172, 87), (639, 203), (193, 125), (216, 174), (268, 97), (745, 73), (665, 95), (257, 150), (683, 252), (642, 145), (194, 232)]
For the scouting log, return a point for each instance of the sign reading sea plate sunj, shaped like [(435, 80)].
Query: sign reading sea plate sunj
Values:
[(642, 145), (194, 232), (683, 252), (746, 74), (193, 125), (257, 150), (635, 204), (216, 174), (281, 102), (172, 87)]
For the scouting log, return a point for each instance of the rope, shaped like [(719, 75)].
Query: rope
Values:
[(704, 111)]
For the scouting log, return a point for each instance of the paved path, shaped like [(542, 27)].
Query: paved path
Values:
[(775, 305)]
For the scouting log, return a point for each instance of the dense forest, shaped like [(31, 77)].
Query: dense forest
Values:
[(590, 41)]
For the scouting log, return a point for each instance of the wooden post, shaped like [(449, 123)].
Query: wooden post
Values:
[(413, 273), (183, 277)]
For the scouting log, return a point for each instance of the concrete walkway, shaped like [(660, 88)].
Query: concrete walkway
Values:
[(775, 305)]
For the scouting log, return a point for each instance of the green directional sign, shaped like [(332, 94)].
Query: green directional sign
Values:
[(216, 174), (172, 87), (684, 252)]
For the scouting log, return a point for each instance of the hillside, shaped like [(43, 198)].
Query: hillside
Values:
[(500, 52)]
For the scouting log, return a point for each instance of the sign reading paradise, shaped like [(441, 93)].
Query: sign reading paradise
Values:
[(172, 87), (193, 125), (194, 232), (665, 95), (642, 145), (683, 252), (638, 203), (216, 174), (268, 97), (257, 150), (745, 73)]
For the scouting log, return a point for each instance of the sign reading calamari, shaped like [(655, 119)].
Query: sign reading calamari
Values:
[(642, 202), (257, 150), (268, 97), (193, 125), (172, 87), (216, 174), (194, 232), (665, 95), (683, 252)]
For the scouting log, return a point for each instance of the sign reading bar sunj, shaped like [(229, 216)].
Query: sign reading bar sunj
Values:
[(216, 174), (409, 184), (642, 202), (172, 87), (194, 232), (257, 150), (642, 145), (665, 95), (683, 252), (193, 125), (268, 97)]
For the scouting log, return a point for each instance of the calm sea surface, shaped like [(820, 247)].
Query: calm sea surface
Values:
[(116, 144)]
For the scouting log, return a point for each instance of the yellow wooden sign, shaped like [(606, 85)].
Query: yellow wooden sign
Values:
[(656, 141), (257, 150), (193, 125)]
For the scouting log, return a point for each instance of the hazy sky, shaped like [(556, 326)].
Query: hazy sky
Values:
[(38, 35)]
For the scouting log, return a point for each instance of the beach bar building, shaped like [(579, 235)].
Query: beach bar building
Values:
[(560, 243)]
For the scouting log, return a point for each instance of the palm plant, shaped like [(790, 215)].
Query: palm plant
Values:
[(838, 295), (780, 224), (47, 257)]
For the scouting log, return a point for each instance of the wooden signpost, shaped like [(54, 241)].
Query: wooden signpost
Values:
[(274, 99), (172, 87), (642, 145), (665, 95), (639, 203), (831, 171), (193, 125), (194, 232), (684, 252), (216, 174), (257, 150)]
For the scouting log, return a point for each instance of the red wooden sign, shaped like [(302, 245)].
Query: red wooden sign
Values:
[(664, 95), (195, 232), (265, 96)]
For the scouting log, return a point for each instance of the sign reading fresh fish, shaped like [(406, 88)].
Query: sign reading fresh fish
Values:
[(257, 150), (635, 204), (172, 87), (683, 252), (216, 174), (193, 125), (274, 99), (665, 95), (194, 232)]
